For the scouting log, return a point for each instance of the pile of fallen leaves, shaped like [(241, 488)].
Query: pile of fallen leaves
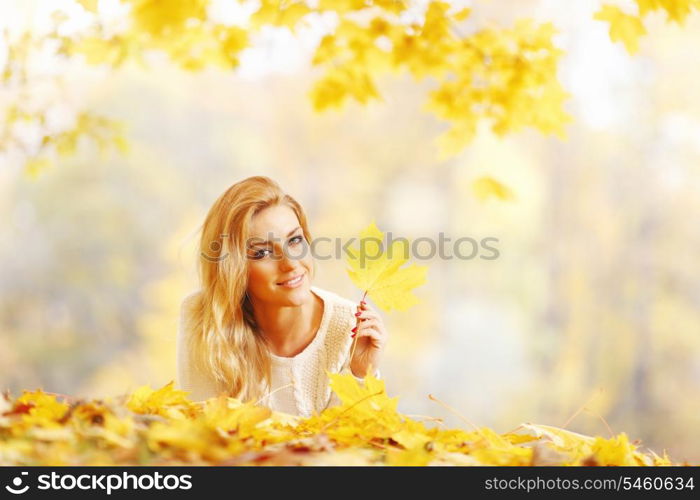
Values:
[(163, 427)]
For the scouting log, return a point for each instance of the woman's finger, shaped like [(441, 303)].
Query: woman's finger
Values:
[(371, 331), (373, 334), (364, 307), (362, 324), (365, 313), (369, 323), (372, 325)]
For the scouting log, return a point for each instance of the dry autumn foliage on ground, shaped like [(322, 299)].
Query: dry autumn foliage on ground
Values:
[(163, 427)]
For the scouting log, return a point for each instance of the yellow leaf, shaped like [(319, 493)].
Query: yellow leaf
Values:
[(646, 6), (339, 83), (369, 398), (614, 451), (166, 401), (623, 27), (454, 140), (395, 6), (486, 187), (676, 10), (35, 166), (159, 18), (462, 14), (279, 13), (342, 6), (378, 273), (410, 438), (90, 5), (45, 410), (191, 436), (220, 413), (561, 438)]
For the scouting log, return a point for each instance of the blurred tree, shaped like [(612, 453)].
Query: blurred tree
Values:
[(505, 76)]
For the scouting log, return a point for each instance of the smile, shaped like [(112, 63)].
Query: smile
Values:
[(292, 282)]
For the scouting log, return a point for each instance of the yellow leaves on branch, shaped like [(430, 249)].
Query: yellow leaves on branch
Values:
[(341, 83), (158, 18), (507, 77), (182, 29), (377, 271), (628, 27), (163, 427), (103, 132), (279, 13), (504, 76)]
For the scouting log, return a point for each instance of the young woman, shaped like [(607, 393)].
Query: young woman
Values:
[(258, 330)]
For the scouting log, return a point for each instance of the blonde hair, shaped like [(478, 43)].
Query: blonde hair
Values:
[(224, 341)]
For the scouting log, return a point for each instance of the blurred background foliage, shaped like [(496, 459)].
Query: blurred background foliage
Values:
[(591, 310)]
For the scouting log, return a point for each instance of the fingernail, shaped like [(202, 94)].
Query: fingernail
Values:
[(354, 329), (362, 302), (353, 335), (357, 314)]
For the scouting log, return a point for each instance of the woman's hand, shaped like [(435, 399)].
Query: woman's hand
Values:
[(371, 337)]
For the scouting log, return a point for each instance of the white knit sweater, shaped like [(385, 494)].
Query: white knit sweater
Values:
[(309, 392)]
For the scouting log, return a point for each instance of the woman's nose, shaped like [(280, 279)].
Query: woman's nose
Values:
[(287, 261)]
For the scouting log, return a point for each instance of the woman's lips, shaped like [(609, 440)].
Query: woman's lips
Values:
[(293, 283)]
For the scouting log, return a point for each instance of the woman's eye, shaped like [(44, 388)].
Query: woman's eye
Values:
[(260, 254)]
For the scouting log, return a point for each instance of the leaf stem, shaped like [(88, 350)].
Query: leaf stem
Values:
[(271, 393), (354, 340), (364, 398), (455, 412)]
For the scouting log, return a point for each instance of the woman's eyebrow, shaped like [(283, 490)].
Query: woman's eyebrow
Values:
[(288, 235)]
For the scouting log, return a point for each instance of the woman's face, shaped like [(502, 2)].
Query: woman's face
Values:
[(278, 251)]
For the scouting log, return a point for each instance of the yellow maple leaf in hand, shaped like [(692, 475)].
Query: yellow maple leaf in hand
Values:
[(378, 272)]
